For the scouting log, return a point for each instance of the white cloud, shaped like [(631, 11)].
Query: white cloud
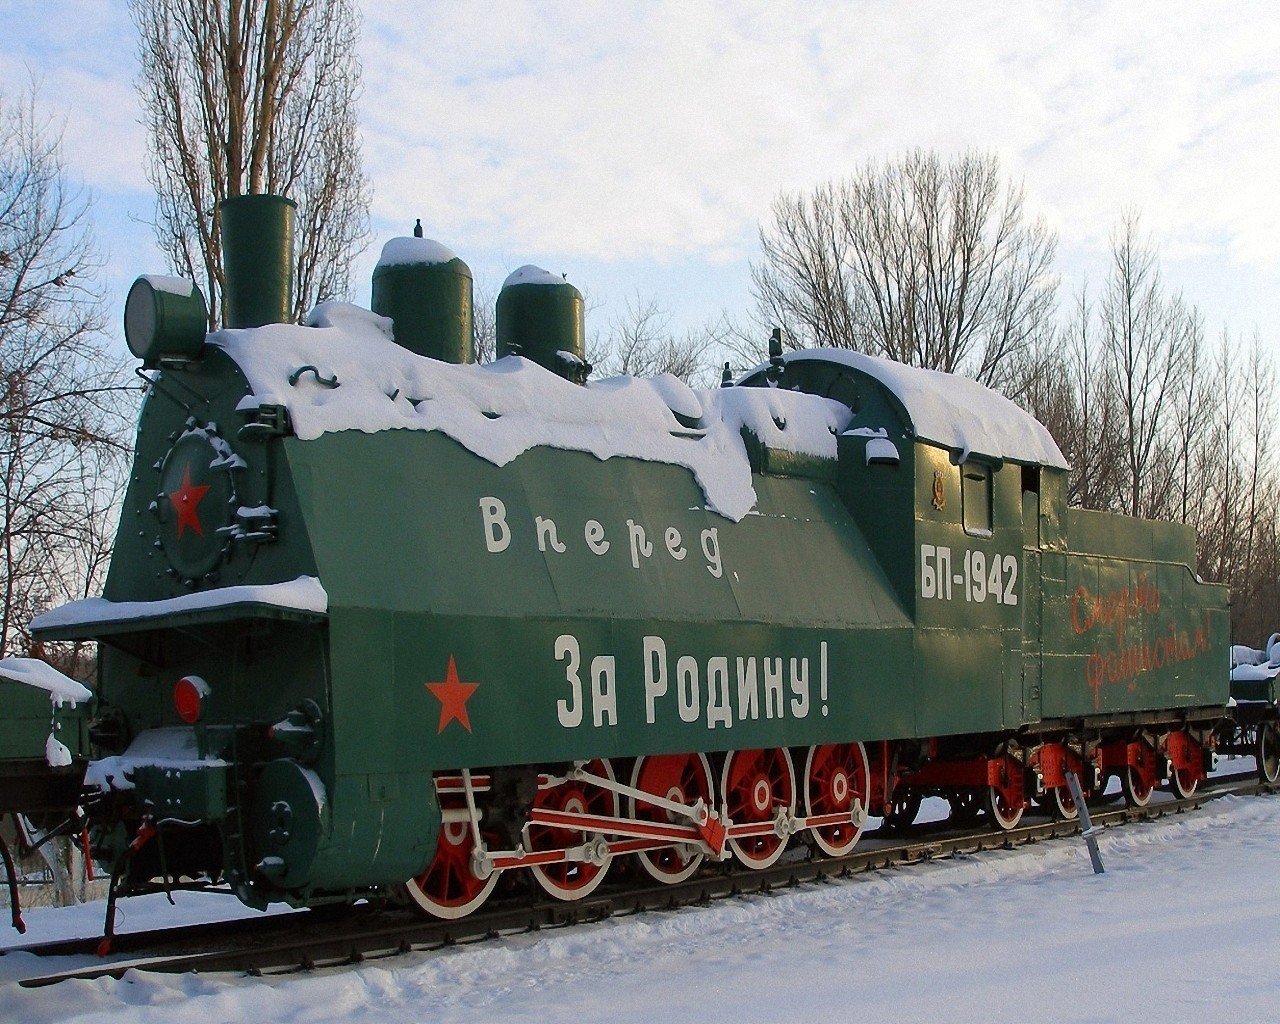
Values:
[(80, 57), (618, 131), (657, 134)]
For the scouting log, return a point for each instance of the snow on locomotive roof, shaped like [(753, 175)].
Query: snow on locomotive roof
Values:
[(305, 594), (502, 409), (953, 411), (404, 250), (529, 274), (43, 676), (166, 283)]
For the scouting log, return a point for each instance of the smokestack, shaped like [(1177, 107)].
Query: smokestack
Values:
[(257, 259)]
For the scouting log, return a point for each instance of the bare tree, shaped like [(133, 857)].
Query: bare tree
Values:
[(484, 323), (250, 96), (62, 432), (932, 264), (1261, 469), (1063, 382), (1146, 337), (640, 342), (1193, 406)]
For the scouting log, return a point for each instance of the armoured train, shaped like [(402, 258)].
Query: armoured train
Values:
[(379, 619)]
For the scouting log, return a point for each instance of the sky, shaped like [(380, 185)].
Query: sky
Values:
[(636, 147)]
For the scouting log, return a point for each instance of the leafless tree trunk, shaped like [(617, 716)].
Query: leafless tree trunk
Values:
[(62, 428), (640, 342), (1146, 335), (484, 323), (928, 263), (250, 96), (1262, 422), (1192, 416)]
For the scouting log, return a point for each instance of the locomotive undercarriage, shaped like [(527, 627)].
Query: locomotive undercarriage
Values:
[(666, 815)]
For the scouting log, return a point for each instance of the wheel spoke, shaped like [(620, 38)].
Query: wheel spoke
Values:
[(682, 777), (836, 776), (448, 888), (571, 880), (754, 785)]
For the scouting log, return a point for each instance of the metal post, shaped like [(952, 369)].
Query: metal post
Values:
[(1090, 834)]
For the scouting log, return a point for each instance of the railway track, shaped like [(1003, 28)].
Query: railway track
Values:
[(286, 943)]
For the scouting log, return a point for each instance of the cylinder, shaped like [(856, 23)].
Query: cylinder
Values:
[(257, 260), (164, 318), (541, 317), (427, 292)]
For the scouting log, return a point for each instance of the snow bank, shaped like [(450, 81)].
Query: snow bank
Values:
[(170, 747), (304, 594), (953, 411), (43, 676), (502, 409)]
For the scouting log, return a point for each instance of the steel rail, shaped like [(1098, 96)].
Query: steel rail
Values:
[(288, 943)]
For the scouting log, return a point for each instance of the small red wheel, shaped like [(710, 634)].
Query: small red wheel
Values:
[(1005, 813), (904, 806), (1137, 790), (835, 777), (1180, 746), (1138, 781), (571, 880), (966, 805), (449, 887), (755, 784), (686, 779), (1063, 804), (1267, 753), (1183, 782)]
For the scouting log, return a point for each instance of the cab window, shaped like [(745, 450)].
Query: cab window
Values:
[(975, 498)]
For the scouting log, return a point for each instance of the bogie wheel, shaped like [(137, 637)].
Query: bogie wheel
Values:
[(571, 880), (836, 776), (1063, 804), (903, 808), (1268, 753), (1137, 791), (966, 805), (1183, 783), (685, 778), (755, 785), (1003, 812), (449, 887)]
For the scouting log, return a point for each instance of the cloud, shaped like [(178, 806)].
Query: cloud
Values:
[(634, 134), (81, 61), (616, 131)]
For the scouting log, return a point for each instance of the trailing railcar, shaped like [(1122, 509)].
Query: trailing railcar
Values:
[(44, 750), (381, 619)]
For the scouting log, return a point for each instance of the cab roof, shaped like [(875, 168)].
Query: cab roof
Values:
[(954, 412)]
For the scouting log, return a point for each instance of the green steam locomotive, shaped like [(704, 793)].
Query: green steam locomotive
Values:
[(380, 619)]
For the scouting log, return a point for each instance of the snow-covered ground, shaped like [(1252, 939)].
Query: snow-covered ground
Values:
[(1184, 926)]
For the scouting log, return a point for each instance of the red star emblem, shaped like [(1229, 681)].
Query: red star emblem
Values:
[(453, 695), (184, 501)]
